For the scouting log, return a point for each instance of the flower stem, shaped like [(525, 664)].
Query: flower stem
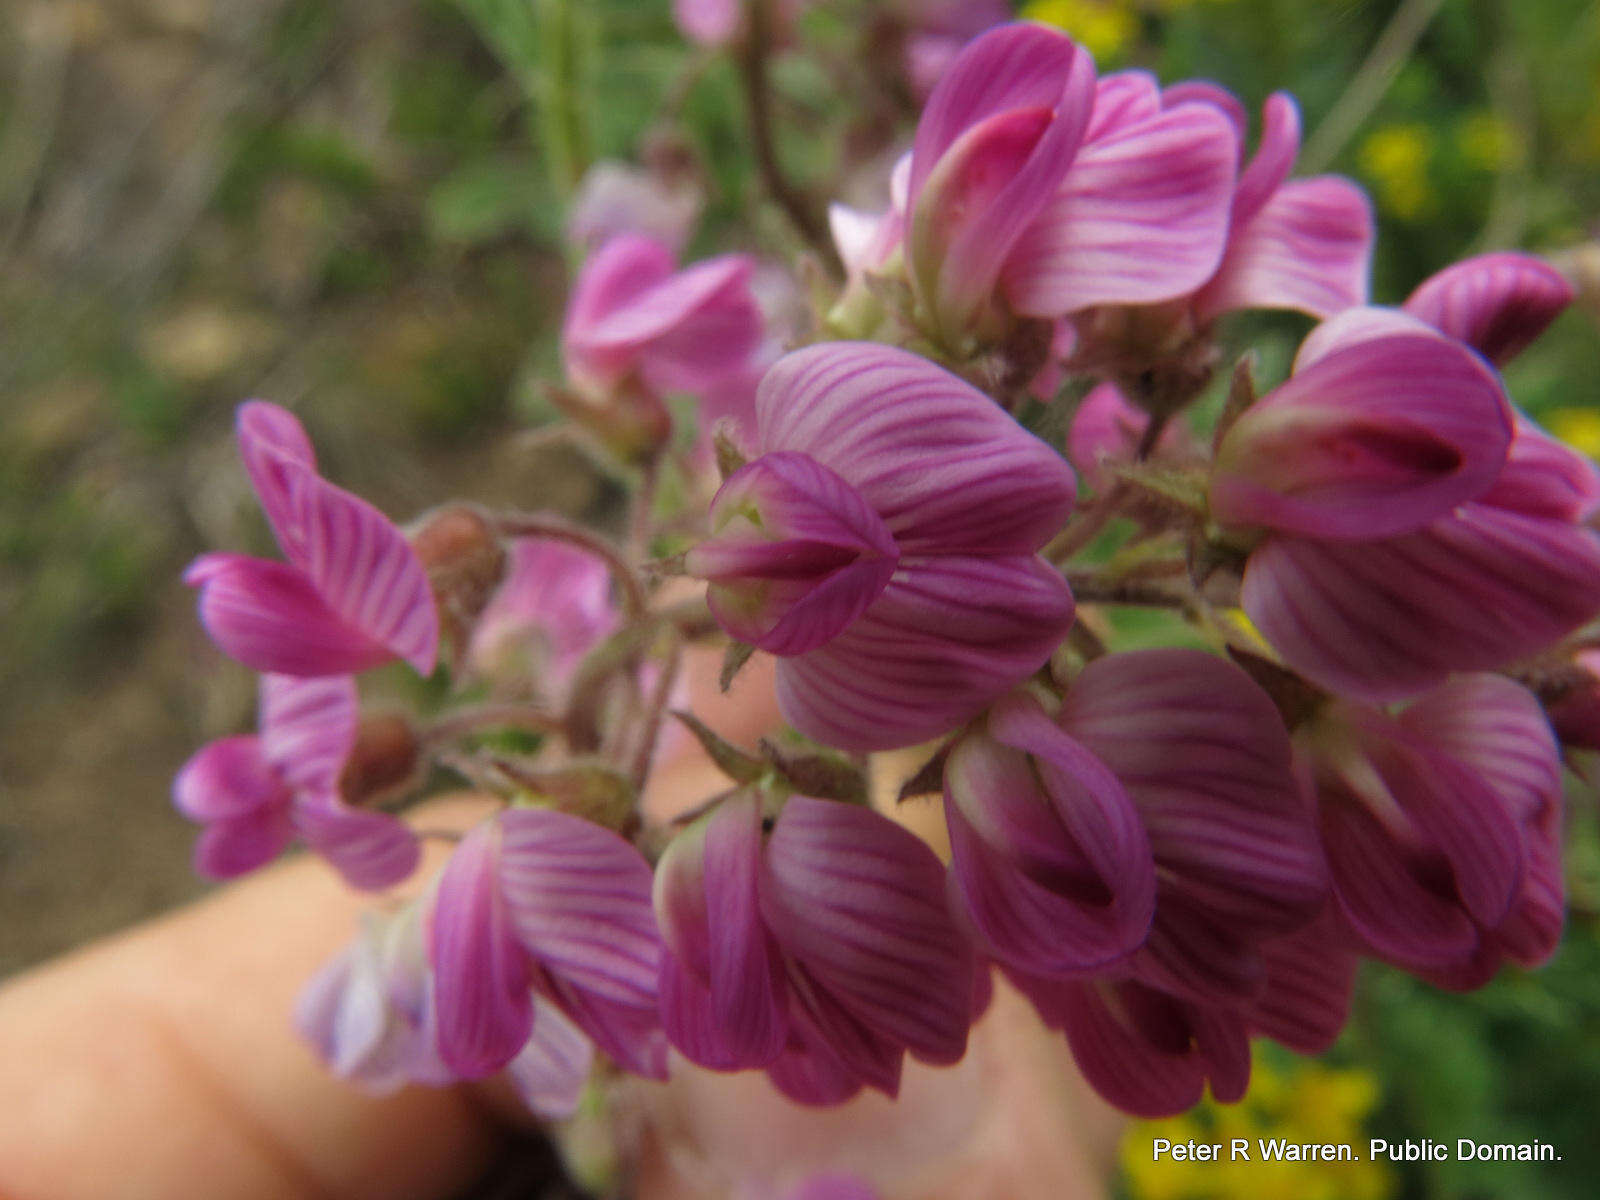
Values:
[(635, 601), (802, 214), (479, 717)]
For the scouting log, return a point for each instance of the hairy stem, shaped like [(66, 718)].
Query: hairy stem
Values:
[(798, 208), (635, 600), (480, 717)]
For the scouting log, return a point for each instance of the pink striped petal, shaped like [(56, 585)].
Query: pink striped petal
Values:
[(1121, 99), (481, 974), (993, 145), (723, 1000), (229, 777), (578, 899), (629, 1033), (1145, 1052), (1014, 66), (1546, 478), (945, 638), (1498, 730), (1052, 863), (1205, 758), (362, 566), (859, 903), (1274, 158), (553, 608), (232, 846), (1372, 439), (1203, 91), (625, 267), (809, 1072), (940, 462), (1496, 303), (1378, 893), (796, 554), (271, 438), (372, 850), (1310, 978), (1308, 249), (1141, 217), (269, 616), (704, 344), (859, 1053), (1384, 620), (550, 1072), (308, 726)]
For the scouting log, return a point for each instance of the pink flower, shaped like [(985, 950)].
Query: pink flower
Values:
[(353, 593), (256, 792), (719, 23), (537, 903), (553, 607), (1106, 430), (615, 198), (1152, 826), (1030, 184), (634, 321), (1413, 548), (370, 1015), (1496, 303), (822, 952), (883, 546), (936, 32), (1303, 244), (1442, 827)]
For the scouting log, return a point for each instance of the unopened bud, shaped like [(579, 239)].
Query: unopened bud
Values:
[(465, 561), (382, 762)]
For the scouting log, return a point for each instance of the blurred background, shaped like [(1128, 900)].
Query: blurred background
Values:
[(355, 208)]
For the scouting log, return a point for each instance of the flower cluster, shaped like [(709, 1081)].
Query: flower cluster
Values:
[(1378, 577)]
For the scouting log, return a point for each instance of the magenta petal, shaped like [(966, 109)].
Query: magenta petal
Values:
[(1307, 249), (630, 1033), (481, 974), (1121, 99), (268, 616), (862, 1053), (1380, 896), (1310, 978), (626, 266), (1141, 217), (1496, 303), (550, 1072), (947, 470), (231, 846), (723, 1000), (1203, 91), (578, 899), (308, 726), (796, 554), (1372, 439), (1011, 67), (1273, 159), (372, 850), (1140, 1056), (1385, 620), (271, 439), (809, 1072), (1496, 729), (1204, 755), (229, 777), (945, 638), (1545, 478), (1106, 429), (859, 902), (1054, 872), (363, 567)]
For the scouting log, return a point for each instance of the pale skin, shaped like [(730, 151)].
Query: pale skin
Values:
[(162, 1062)]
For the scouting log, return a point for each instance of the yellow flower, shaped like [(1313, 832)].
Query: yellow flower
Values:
[(1487, 142), (1577, 427), (1302, 1101), (1395, 160), (1105, 27)]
